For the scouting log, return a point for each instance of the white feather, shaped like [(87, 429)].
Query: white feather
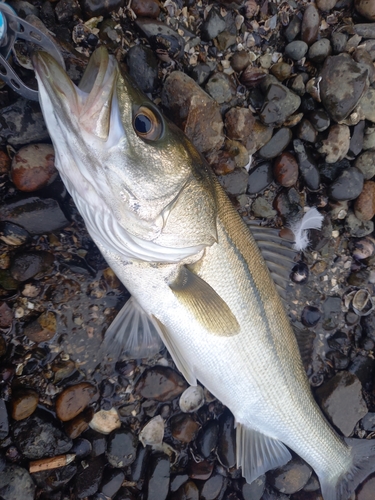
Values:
[(311, 220)]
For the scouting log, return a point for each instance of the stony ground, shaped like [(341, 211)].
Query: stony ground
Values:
[(280, 98)]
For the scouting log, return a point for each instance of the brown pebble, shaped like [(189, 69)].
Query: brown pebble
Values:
[(33, 167), (364, 205), (281, 70), (366, 8), (4, 163), (240, 60), (285, 169), (201, 470), (146, 8), (160, 383), (79, 424), (43, 328), (310, 25), (73, 400), (24, 403), (184, 427), (6, 315)]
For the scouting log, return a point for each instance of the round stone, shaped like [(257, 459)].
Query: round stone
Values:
[(296, 50), (33, 167), (285, 169), (364, 206), (24, 403), (73, 400)]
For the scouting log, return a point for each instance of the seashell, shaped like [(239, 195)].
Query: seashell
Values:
[(313, 88), (192, 399), (252, 77), (361, 302), (364, 248), (153, 432)]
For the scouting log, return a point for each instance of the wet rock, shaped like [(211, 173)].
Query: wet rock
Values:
[(160, 383), (143, 67), (34, 214), (276, 144), (31, 264), (88, 478), (310, 316), (73, 400), (364, 206), (213, 487), (153, 432), (347, 186), (184, 427), (293, 28), (33, 167), (285, 169), (291, 477), (162, 38), (260, 177), (43, 328), (187, 491), (280, 103), (306, 131), (24, 403), (112, 482), (105, 421), (194, 111), (240, 60), (201, 471), (307, 165), (157, 485), (16, 483), (226, 449), (81, 448), (320, 50), (79, 424), (310, 25), (6, 317), (221, 88), (207, 439), (146, 8), (13, 234), (337, 143), (36, 437), (4, 421), (235, 183), (254, 490), (342, 86), (122, 448), (53, 480), (296, 50), (192, 399), (22, 123), (213, 25), (341, 400), (93, 8)]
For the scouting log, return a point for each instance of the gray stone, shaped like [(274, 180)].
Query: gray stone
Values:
[(277, 144), (358, 228), (366, 164), (220, 88), (16, 483), (280, 103), (236, 182), (296, 50), (320, 50)]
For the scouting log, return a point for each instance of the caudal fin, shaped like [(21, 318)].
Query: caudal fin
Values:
[(363, 464)]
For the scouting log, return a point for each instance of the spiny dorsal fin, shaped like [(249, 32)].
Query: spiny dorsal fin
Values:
[(205, 304)]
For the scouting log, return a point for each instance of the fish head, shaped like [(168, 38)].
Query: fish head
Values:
[(115, 150)]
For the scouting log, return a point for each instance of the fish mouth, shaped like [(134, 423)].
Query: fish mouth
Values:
[(90, 103)]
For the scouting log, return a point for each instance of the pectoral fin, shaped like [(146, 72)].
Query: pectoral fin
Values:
[(257, 453), (205, 304)]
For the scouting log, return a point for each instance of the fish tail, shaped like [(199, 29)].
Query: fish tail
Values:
[(362, 465)]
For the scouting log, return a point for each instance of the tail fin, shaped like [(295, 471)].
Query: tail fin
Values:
[(363, 464)]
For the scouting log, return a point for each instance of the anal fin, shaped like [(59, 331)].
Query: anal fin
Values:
[(257, 453), (205, 304), (132, 334)]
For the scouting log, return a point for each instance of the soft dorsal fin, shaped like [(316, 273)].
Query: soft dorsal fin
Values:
[(133, 334), (204, 304), (257, 453)]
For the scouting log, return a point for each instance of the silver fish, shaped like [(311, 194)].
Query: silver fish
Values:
[(195, 272)]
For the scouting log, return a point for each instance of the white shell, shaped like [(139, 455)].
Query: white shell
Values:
[(153, 432), (192, 399), (105, 421)]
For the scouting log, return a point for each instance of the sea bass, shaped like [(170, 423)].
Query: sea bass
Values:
[(195, 273)]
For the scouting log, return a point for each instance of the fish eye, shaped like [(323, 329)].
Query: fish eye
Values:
[(147, 124)]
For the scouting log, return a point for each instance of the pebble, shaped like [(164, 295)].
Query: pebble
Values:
[(306, 131), (16, 483), (367, 105), (161, 37), (201, 471), (293, 28), (364, 206), (36, 215), (365, 30), (259, 178), (160, 383), (226, 448), (307, 165), (357, 227), (276, 144), (112, 482), (184, 427), (336, 146), (6, 318), (24, 403), (325, 5), (338, 41), (240, 60), (105, 421), (310, 25), (341, 400), (13, 234), (213, 487), (213, 25), (37, 437), (73, 400), (79, 424), (280, 103), (342, 85), (291, 477), (220, 87), (192, 399), (254, 490), (235, 183), (366, 8), (50, 481), (143, 67), (158, 478), (207, 439), (88, 478), (252, 77), (281, 70), (263, 208), (4, 420), (187, 491), (146, 8), (347, 186), (122, 448), (31, 264), (92, 8), (368, 422), (296, 50), (310, 316), (201, 73), (196, 113), (356, 140), (243, 126), (81, 448), (43, 328), (320, 50), (363, 367), (153, 432)]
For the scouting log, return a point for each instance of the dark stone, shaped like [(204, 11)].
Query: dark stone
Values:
[(363, 367), (280, 103), (291, 477), (31, 264), (213, 25), (277, 144), (296, 50), (187, 491), (139, 466), (16, 483), (143, 67), (201, 73), (347, 186), (13, 234), (319, 119), (112, 482), (307, 166), (259, 178), (356, 140), (158, 478), (208, 438), (213, 487), (22, 123), (226, 449), (162, 38), (52, 480), (255, 490), (293, 28), (160, 383), (95, 8), (310, 316), (81, 448), (122, 448), (310, 24), (88, 479), (4, 422)]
